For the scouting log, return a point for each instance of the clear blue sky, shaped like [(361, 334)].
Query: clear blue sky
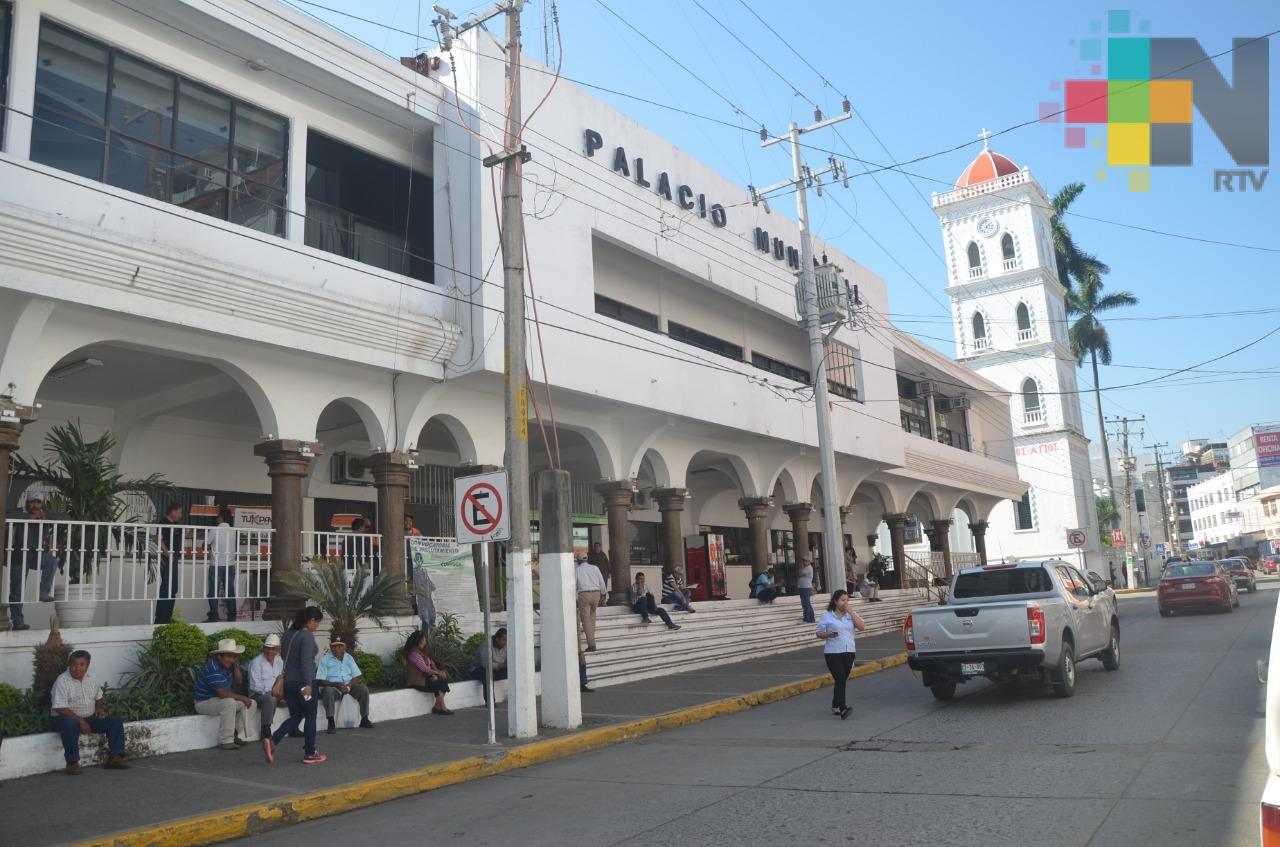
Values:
[(927, 76)]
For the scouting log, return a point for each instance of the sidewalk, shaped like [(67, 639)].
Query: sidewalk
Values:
[(56, 809)]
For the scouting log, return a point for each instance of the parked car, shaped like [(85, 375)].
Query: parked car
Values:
[(1196, 584), (1241, 570), (1269, 565), (1029, 620)]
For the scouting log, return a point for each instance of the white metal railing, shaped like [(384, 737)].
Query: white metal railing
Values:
[(982, 342), (354, 549), (1011, 264), (1027, 334), (965, 560), (975, 273), (997, 184), (1033, 416), (66, 560)]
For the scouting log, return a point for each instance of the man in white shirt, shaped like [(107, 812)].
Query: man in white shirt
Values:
[(220, 581), (263, 671), (591, 593), (77, 708), (804, 582)]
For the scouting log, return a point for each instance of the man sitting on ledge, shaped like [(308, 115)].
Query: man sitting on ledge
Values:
[(215, 697), (641, 599), (77, 708), (337, 676), (675, 592), (767, 590), (869, 589)]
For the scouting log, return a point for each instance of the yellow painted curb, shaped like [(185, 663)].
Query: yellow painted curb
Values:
[(1133, 590), (257, 818)]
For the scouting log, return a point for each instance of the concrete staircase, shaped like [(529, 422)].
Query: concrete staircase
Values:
[(720, 633)]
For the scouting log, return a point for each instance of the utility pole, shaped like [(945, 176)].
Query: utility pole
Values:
[(1164, 502), (522, 717), (1130, 556), (802, 177)]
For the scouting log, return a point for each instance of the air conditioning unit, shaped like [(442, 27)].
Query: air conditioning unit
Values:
[(953, 404), (348, 469), (642, 500), (924, 389)]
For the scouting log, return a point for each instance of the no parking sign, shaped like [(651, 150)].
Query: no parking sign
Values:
[(480, 507)]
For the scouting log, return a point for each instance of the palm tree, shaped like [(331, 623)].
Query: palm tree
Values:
[(1081, 274), (1088, 335), (1108, 517), (345, 598)]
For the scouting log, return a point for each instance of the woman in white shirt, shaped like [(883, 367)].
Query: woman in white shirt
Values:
[(835, 629)]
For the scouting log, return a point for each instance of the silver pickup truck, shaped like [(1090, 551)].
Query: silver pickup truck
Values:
[(1029, 620)]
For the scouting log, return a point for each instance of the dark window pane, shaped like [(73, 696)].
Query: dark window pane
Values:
[(5, 17), (72, 75), (1023, 518), (66, 144), (260, 144), (258, 206), (204, 124), (142, 101), (139, 168), (200, 187)]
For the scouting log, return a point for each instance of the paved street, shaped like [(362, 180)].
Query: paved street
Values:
[(1168, 752)]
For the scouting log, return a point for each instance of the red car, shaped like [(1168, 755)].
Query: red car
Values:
[(1196, 585), (1241, 573), (1269, 565)]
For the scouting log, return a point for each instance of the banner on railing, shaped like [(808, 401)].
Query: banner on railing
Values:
[(451, 570)]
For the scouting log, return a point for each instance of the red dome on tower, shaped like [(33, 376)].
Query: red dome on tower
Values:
[(986, 166)]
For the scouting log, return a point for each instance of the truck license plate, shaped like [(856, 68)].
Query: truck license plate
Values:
[(1188, 586), (973, 668)]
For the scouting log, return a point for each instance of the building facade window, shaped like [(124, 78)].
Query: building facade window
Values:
[(975, 255), (6, 18), (689, 335), (1032, 408), (1023, 514), (620, 311), (1007, 250), (782, 369), (368, 209), (108, 116), (842, 371), (980, 340)]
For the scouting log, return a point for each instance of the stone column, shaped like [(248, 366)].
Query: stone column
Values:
[(391, 479), (617, 506), (288, 461), (799, 514), (979, 530), (897, 542), (757, 509), (671, 506), (941, 542), (12, 419)]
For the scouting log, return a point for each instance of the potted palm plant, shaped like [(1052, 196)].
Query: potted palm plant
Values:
[(87, 486), (345, 595)]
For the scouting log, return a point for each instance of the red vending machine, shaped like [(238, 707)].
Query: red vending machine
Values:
[(704, 566)]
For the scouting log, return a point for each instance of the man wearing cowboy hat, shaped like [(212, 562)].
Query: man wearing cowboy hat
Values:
[(337, 676), (264, 670), (214, 696)]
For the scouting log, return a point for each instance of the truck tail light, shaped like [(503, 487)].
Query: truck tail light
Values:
[(908, 633), (1035, 624), (1270, 825)]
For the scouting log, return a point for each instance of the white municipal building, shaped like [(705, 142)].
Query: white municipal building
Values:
[(265, 258)]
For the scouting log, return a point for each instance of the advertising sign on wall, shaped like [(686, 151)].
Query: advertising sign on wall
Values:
[(451, 570), (1266, 440)]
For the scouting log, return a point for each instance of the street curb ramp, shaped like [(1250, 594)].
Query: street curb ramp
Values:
[(257, 818)]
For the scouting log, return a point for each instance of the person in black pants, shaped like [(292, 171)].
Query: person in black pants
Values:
[(170, 562), (642, 603), (299, 649), (835, 630)]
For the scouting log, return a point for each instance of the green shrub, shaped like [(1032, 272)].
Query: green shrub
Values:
[(24, 714), (9, 696), (145, 704), (252, 643), (180, 643), (370, 667), (448, 649)]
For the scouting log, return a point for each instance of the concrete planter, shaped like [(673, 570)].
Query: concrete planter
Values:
[(27, 755), (76, 604)]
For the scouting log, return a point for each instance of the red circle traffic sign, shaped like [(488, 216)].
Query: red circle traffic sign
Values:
[(1076, 538), (477, 509)]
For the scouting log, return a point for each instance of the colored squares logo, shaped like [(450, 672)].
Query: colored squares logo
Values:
[(1171, 101), (1129, 145), (1128, 58), (1128, 102), (1086, 101)]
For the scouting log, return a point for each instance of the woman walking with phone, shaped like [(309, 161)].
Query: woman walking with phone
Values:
[(835, 629), (299, 650)]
